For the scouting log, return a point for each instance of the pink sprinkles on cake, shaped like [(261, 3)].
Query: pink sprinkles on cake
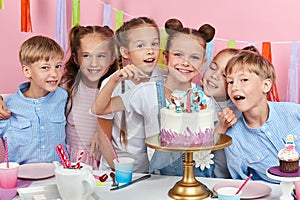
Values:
[(188, 139)]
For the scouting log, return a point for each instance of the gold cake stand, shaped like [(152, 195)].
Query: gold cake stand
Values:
[(188, 188)]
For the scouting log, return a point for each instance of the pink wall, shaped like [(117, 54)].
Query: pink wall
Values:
[(271, 20)]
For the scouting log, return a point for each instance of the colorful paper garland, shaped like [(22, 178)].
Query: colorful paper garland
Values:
[(293, 75), (75, 12), (266, 52), (25, 16), (107, 12), (61, 35), (231, 43), (119, 19), (1, 4)]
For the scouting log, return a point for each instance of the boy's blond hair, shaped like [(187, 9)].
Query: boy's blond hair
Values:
[(252, 62), (39, 48)]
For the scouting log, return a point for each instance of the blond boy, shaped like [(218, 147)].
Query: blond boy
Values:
[(37, 122), (261, 130)]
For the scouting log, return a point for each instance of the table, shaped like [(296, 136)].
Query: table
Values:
[(156, 187)]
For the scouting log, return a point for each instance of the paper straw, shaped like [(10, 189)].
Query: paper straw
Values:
[(111, 147), (60, 157), (77, 165), (6, 152), (243, 185), (63, 156)]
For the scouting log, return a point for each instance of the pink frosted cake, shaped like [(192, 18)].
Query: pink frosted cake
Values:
[(288, 157), (186, 121)]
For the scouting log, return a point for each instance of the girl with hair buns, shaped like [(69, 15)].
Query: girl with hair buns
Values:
[(185, 58), (138, 43)]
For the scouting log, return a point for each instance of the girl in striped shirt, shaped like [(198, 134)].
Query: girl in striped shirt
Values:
[(91, 60)]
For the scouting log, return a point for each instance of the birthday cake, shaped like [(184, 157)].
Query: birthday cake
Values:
[(186, 121), (288, 157)]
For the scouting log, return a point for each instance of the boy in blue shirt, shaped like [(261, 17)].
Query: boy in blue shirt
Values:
[(260, 131), (37, 122)]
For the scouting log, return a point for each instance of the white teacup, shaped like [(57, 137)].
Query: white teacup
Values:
[(75, 184)]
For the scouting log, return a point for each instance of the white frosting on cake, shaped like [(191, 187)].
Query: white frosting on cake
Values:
[(192, 129), (288, 155), (178, 122)]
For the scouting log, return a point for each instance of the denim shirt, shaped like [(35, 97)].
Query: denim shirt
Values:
[(35, 127)]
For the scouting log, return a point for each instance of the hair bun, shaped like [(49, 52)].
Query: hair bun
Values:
[(172, 25), (207, 32), (251, 48)]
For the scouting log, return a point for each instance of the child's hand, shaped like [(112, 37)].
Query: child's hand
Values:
[(226, 118), (130, 72), (4, 113), (95, 145)]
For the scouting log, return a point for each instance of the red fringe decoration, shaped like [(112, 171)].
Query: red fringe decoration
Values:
[(266, 52), (25, 16)]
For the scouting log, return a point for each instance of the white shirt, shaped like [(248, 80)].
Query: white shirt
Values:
[(136, 135)]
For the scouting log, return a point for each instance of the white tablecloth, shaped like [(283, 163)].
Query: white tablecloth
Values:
[(156, 187)]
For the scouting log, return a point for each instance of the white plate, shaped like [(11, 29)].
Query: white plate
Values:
[(49, 191), (252, 190), (36, 171)]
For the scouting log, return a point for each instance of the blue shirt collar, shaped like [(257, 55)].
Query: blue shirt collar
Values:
[(25, 86)]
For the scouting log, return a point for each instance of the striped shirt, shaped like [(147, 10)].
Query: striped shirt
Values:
[(81, 126), (36, 126), (254, 150)]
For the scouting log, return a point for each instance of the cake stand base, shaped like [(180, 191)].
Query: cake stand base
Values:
[(188, 188), (286, 188), (286, 185)]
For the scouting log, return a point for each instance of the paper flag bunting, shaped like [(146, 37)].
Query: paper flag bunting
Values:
[(293, 73), (61, 35), (107, 15), (25, 16), (231, 43), (209, 54), (1, 4), (251, 44), (75, 12), (266, 52), (119, 19), (163, 40)]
